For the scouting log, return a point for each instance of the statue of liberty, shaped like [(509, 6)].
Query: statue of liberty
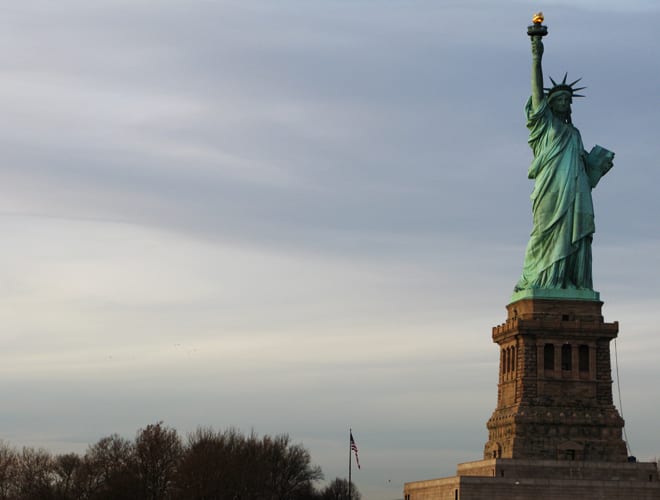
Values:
[(558, 255)]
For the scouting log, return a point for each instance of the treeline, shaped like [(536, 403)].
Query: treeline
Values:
[(159, 465)]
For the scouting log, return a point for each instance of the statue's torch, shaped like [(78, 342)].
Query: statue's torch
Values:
[(537, 28)]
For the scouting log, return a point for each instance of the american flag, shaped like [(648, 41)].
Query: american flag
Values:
[(355, 449)]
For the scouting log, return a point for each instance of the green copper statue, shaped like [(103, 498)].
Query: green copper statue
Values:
[(558, 255)]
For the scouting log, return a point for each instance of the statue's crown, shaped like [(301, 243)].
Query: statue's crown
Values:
[(564, 87)]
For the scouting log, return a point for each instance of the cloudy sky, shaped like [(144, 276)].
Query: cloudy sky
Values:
[(302, 215)]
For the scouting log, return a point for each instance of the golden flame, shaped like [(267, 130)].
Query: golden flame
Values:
[(538, 18)]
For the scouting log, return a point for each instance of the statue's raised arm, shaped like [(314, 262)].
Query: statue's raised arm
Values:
[(536, 33), (537, 71)]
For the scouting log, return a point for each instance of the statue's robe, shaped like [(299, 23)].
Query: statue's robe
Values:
[(559, 250)]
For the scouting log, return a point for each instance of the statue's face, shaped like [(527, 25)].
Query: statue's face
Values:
[(561, 104)]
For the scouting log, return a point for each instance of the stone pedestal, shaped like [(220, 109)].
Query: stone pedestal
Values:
[(555, 432), (554, 398)]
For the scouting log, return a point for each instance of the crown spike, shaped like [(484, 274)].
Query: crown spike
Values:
[(564, 87)]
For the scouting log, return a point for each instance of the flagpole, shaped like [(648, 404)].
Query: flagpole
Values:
[(350, 461)]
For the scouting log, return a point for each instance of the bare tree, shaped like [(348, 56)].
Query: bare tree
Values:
[(158, 451), (338, 490), (206, 469), (231, 465), (109, 470), (289, 469), (35, 477), (8, 471), (66, 470)]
